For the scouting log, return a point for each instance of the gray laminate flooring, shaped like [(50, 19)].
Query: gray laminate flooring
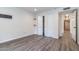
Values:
[(40, 43)]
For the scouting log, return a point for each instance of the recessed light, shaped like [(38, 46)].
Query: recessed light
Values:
[(67, 15), (35, 9)]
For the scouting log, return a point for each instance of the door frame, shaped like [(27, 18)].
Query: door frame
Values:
[(76, 25), (43, 25)]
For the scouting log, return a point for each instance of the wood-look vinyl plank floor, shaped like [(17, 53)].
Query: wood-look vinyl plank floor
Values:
[(40, 43)]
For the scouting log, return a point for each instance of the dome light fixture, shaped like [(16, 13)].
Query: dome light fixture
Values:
[(35, 9)]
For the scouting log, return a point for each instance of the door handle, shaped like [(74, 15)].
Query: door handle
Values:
[(75, 27)]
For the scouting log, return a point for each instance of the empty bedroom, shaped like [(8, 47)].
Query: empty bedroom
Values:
[(39, 29)]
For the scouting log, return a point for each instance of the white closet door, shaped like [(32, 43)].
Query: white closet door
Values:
[(40, 25)]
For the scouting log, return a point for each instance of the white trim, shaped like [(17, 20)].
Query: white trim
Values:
[(3, 41)]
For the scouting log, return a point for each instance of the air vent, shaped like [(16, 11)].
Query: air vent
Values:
[(66, 8), (5, 16)]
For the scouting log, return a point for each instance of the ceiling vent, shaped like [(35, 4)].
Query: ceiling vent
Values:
[(67, 8)]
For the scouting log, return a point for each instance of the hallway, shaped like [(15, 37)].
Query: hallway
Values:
[(67, 43)]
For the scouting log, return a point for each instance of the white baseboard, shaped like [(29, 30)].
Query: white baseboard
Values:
[(6, 40)]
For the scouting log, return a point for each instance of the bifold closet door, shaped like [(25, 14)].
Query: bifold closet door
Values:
[(40, 25)]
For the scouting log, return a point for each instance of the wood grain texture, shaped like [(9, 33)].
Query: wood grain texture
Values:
[(40, 43)]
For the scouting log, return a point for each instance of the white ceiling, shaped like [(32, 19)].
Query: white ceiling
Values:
[(39, 9)]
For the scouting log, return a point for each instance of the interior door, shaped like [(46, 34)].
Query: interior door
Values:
[(66, 25), (73, 26), (40, 25)]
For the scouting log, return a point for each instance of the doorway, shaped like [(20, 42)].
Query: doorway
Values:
[(68, 23)]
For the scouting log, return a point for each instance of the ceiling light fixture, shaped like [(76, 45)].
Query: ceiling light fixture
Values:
[(35, 9)]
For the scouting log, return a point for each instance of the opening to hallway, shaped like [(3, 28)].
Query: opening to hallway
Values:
[(68, 24)]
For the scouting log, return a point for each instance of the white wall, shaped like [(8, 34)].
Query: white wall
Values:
[(20, 25), (61, 24)]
